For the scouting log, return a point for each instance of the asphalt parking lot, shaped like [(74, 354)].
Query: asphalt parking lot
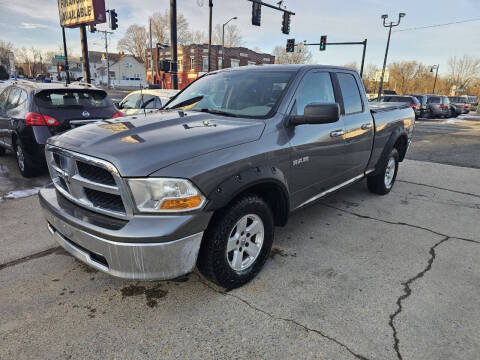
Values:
[(355, 276)]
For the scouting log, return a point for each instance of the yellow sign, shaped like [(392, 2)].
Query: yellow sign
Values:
[(77, 12)]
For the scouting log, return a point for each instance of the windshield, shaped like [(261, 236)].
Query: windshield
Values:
[(72, 99), (235, 93)]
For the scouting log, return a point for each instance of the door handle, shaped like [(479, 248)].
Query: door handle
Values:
[(337, 133), (366, 126)]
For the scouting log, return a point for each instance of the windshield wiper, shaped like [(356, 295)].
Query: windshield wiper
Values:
[(216, 112), (186, 102)]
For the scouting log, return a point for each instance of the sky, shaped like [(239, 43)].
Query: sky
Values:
[(27, 23)]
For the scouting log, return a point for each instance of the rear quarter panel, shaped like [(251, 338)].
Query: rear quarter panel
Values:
[(389, 125)]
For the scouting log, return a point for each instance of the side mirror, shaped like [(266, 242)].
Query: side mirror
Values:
[(317, 113), (117, 105)]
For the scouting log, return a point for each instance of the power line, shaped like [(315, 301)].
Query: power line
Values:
[(438, 25)]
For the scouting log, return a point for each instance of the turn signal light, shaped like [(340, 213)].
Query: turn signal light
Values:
[(181, 204), (117, 114), (36, 119)]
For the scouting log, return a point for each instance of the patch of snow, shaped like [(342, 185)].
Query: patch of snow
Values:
[(18, 194)]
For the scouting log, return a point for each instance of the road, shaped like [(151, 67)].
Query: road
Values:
[(452, 141), (355, 276)]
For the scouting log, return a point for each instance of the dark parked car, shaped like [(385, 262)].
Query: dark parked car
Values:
[(412, 100), (206, 180), (32, 112)]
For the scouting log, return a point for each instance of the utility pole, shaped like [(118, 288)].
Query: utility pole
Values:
[(66, 56), (223, 39), (173, 42), (107, 57), (151, 53), (210, 5), (436, 75), (389, 25), (86, 63)]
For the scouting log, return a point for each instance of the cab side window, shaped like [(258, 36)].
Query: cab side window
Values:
[(352, 101), (316, 87), (130, 102)]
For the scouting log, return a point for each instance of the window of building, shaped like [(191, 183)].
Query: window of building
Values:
[(192, 62), (352, 100), (220, 62), (180, 65), (234, 63), (204, 63)]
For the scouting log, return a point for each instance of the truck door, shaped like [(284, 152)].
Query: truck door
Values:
[(318, 150), (358, 122)]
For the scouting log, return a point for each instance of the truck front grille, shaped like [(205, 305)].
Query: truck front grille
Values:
[(92, 183)]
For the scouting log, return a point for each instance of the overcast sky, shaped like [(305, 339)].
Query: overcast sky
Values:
[(27, 23)]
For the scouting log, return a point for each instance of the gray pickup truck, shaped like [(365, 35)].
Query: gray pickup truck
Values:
[(205, 181)]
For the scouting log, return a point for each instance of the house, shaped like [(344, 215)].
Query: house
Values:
[(125, 70), (193, 62)]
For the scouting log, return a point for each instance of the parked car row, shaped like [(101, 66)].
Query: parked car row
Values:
[(432, 106)]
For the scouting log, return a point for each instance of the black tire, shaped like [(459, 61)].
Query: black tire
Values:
[(25, 163), (377, 184), (431, 115), (213, 258)]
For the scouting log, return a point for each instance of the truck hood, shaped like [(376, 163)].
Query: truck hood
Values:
[(140, 145)]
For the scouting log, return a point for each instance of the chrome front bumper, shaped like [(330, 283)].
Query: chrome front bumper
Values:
[(130, 260)]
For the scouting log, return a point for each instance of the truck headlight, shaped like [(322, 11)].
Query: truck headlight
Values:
[(165, 195)]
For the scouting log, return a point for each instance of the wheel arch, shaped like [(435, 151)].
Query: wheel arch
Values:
[(269, 183)]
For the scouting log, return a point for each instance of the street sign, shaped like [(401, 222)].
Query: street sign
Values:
[(59, 57), (85, 12)]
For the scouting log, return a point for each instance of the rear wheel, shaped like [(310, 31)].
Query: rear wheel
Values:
[(24, 161), (237, 242), (382, 183)]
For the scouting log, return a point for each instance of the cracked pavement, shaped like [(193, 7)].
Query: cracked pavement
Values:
[(355, 276)]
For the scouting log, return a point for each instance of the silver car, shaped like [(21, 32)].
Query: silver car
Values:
[(438, 106)]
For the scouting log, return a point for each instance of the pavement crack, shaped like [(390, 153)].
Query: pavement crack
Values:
[(397, 223), (407, 291), (439, 188), (30, 257), (274, 317)]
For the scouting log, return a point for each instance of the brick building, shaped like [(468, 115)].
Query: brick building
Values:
[(193, 62)]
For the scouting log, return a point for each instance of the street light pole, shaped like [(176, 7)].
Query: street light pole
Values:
[(436, 75), (389, 25), (223, 38), (173, 42), (210, 5)]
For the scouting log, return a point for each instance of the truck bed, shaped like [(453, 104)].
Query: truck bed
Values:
[(376, 107)]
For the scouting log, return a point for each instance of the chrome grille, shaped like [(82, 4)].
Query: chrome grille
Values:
[(92, 183)]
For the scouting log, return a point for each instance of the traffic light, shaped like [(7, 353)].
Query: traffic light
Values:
[(93, 28), (113, 19), (323, 42), (256, 13), (290, 45), (59, 68), (286, 23)]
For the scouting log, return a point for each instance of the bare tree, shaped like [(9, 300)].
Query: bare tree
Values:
[(134, 41), (6, 48), (462, 71), (161, 28), (282, 57), (233, 37), (196, 37), (352, 65)]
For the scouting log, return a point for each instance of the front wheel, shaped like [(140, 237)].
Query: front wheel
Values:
[(382, 183), (237, 242)]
